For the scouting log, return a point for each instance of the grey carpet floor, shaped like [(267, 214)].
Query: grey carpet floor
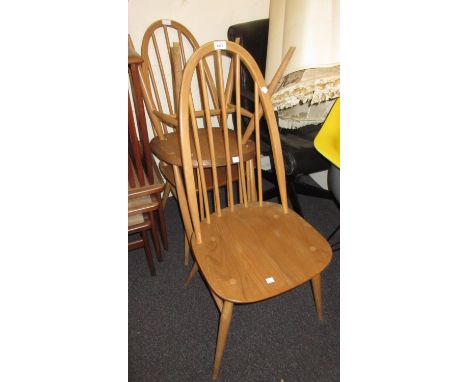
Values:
[(172, 330)]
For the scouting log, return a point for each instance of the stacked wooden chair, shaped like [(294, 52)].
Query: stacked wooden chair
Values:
[(145, 183), (166, 47)]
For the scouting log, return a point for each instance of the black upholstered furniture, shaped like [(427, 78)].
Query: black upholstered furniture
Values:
[(300, 156)]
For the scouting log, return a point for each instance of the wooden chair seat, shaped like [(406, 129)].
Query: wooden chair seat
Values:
[(268, 244), (168, 173), (168, 149), (135, 220), (139, 206)]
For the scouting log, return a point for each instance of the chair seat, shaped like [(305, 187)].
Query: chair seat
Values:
[(134, 220), (168, 150), (137, 207), (245, 258), (168, 173)]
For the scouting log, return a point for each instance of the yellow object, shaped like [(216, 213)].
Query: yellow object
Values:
[(327, 141)]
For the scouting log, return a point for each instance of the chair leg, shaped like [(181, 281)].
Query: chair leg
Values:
[(154, 235), (224, 324), (167, 190), (149, 255), (192, 274), (186, 250), (162, 224), (317, 291)]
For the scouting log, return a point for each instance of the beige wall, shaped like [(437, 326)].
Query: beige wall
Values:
[(207, 19)]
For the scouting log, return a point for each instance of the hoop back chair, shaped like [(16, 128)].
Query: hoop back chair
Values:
[(166, 45), (248, 250), (145, 183)]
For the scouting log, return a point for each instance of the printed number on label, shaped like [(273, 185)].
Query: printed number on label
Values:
[(220, 45)]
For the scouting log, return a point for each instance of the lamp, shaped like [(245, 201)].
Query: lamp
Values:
[(312, 78)]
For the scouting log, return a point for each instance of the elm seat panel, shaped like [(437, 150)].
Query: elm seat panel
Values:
[(242, 248), (168, 173), (168, 150)]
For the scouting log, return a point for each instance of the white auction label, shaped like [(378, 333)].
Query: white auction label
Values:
[(270, 280), (220, 45), (264, 90), (166, 22)]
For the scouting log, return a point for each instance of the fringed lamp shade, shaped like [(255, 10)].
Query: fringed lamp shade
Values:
[(312, 77)]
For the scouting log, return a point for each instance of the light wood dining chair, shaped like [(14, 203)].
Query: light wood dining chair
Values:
[(247, 250), (166, 46), (145, 183)]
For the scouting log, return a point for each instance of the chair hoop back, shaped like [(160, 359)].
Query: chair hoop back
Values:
[(166, 46), (196, 155)]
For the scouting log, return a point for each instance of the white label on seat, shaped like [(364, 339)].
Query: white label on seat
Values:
[(270, 280), (220, 45), (264, 90), (166, 22), (235, 159)]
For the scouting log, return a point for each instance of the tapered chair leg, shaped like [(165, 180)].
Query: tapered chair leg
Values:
[(162, 222), (148, 253), (186, 250), (154, 235), (193, 272), (224, 324), (317, 291), (167, 190)]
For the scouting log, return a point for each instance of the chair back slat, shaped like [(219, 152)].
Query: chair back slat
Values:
[(177, 69), (230, 80), (242, 178), (181, 44), (209, 131), (155, 92), (131, 173), (142, 128), (202, 188), (257, 143), (134, 147), (162, 74), (241, 165), (223, 122), (156, 124)]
